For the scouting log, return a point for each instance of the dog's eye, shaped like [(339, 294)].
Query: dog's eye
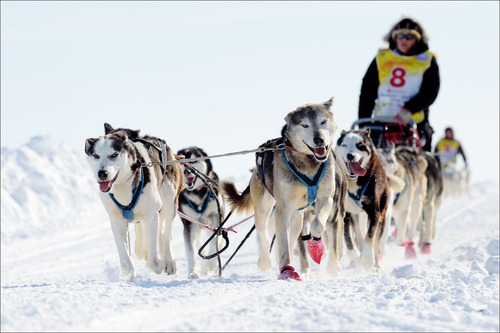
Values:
[(95, 156), (359, 145), (304, 125), (114, 155), (344, 145), (323, 122)]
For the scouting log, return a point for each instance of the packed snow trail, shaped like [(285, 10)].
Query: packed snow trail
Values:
[(60, 271)]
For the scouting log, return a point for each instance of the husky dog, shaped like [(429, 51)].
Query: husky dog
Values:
[(202, 202), (136, 187), (409, 165), (368, 193), (337, 215), (456, 180), (432, 201), (294, 178)]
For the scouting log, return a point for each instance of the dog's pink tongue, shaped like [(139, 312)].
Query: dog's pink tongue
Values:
[(320, 151), (189, 181), (104, 186), (357, 169)]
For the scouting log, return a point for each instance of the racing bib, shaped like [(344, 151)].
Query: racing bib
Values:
[(400, 78), (448, 150)]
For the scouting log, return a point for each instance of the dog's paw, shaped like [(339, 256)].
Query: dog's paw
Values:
[(367, 258), (210, 265), (306, 272), (193, 276), (333, 269), (378, 269), (170, 267), (155, 265), (410, 252), (141, 253), (289, 273), (426, 248), (316, 248), (264, 262), (127, 272)]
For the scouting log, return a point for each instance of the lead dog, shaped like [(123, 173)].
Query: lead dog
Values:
[(294, 178), (131, 190), (368, 193), (337, 215), (201, 202)]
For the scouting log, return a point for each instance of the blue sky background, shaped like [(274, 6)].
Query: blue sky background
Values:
[(223, 75)]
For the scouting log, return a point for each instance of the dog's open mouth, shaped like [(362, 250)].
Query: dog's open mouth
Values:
[(355, 169), (321, 153), (105, 186), (190, 180)]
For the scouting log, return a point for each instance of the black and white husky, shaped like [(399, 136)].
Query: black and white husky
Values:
[(369, 192), (203, 203), (135, 186), (294, 178)]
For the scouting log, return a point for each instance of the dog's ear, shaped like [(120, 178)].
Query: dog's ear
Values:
[(368, 130), (122, 135), (283, 131), (344, 132), (108, 128), (392, 146), (328, 104), (89, 144)]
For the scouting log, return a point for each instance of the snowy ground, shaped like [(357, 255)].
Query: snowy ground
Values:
[(60, 268)]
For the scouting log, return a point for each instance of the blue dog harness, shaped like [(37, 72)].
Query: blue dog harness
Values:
[(203, 207), (357, 197), (127, 211), (311, 183)]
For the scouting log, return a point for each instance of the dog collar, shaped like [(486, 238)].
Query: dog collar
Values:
[(127, 211), (311, 183)]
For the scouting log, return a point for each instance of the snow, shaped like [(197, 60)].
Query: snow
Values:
[(59, 268)]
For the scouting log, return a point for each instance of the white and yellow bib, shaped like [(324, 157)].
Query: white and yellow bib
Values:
[(400, 78), (448, 150)]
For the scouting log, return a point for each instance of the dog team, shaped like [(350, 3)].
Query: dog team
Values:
[(306, 190)]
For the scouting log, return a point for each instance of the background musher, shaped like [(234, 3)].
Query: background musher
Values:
[(449, 147), (403, 79)]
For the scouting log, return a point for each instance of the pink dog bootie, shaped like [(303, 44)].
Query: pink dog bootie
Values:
[(316, 248), (288, 272)]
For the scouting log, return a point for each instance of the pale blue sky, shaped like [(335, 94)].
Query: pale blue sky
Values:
[(223, 75)]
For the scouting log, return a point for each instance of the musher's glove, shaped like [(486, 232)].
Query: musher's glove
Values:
[(405, 115)]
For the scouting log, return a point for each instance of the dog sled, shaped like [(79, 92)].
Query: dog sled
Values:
[(387, 129)]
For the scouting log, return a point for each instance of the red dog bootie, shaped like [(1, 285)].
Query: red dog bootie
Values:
[(315, 247), (426, 248), (395, 233), (410, 252), (288, 272)]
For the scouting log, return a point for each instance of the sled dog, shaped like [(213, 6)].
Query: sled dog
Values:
[(306, 243), (136, 187), (432, 201), (408, 164), (202, 202), (368, 189), (456, 180), (294, 178)]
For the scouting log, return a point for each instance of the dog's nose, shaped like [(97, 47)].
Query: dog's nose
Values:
[(350, 156), (102, 174), (318, 141)]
